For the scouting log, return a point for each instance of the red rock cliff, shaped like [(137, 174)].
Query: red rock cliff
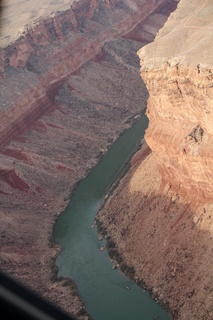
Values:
[(51, 49), (177, 69)]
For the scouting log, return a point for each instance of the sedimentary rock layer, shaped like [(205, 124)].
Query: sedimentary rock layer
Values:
[(177, 69), (54, 48)]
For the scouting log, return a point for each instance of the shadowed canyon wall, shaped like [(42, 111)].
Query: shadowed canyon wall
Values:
[(70, 85)]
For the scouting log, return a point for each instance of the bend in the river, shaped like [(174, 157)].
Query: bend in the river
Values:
[(107, 293)]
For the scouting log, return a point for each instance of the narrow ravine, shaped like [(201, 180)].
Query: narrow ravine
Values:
[(107, 293)]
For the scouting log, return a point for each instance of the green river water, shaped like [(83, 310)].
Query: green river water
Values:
[(103, 289)]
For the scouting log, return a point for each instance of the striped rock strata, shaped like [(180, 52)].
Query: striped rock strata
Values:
[(178, 71)]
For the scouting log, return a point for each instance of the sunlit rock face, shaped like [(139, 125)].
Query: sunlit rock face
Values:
[(177, 69)]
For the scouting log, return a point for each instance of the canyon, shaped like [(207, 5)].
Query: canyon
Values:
[(70, 85), (161, 215)]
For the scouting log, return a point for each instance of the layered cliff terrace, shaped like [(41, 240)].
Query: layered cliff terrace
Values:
[(177, 69), (37, 63)]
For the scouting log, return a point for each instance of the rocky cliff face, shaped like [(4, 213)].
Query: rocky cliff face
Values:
[(177, 70), (54, 48)]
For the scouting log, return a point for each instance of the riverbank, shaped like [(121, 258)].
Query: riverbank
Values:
[(147, 223), (107, 225), (83, 257)]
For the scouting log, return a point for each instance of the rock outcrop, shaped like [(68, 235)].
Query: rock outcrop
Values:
[(177, 69)]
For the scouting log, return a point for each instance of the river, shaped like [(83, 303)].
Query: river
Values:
[(108, 294)]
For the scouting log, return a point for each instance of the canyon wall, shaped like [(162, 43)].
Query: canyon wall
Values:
[(161, 215), (51, 49), (69, 86), (177, 69)]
